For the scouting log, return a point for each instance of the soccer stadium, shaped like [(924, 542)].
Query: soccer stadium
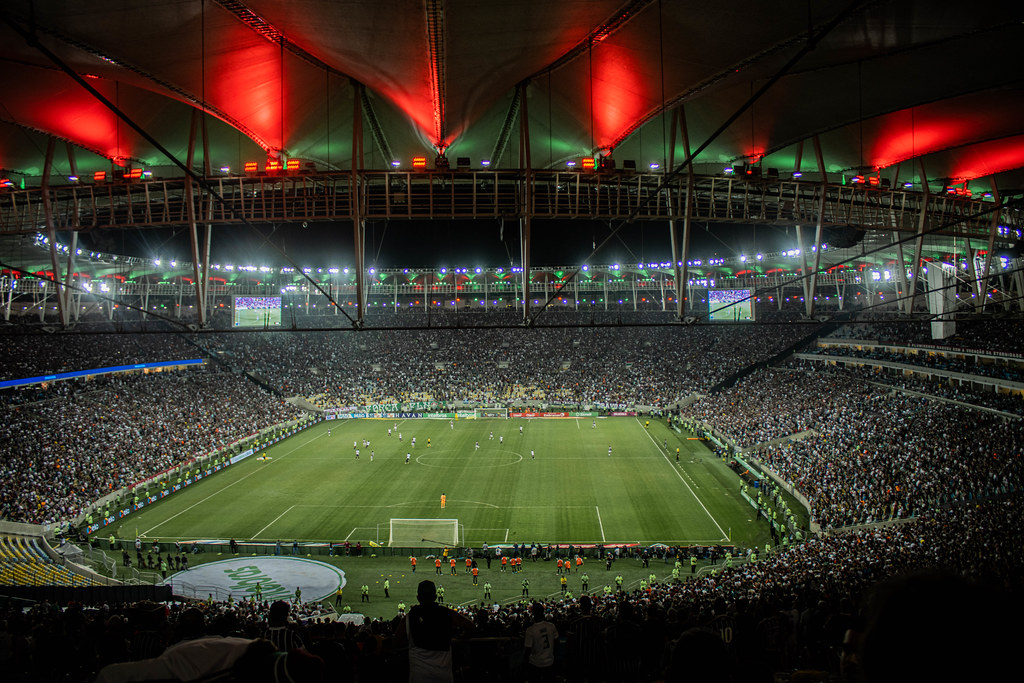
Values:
[(618, 340)]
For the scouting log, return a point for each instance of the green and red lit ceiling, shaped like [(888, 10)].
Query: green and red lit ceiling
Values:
[(931, 84)]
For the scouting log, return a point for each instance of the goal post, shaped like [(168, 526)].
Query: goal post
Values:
[(423, 532), (496, 411)]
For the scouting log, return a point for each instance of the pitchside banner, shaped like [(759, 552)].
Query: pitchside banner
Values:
[(575, 414), (149, 500)]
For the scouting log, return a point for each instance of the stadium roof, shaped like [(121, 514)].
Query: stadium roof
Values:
[(913, 84)]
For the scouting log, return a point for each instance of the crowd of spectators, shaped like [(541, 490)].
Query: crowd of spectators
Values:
[(589, 366), (91, 438), (874, 454), (1011, 370), (814, 606)]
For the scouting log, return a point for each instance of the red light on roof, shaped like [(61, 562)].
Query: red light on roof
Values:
[(588, 163), (273, 166), (134, 174), (292, 165), (251, 166), (419, 162), (857, 179), (6, 182), (99, 176), (872, 180)]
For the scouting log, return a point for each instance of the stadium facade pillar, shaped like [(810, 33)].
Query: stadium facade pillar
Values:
[(901, 275), (605, 299), (1017, 289), (942, 300)]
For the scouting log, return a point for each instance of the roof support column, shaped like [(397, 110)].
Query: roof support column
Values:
[(972, 272), (992, 232), (200, 252), (51, 234), (680, 262), (901, 275), (526, 202), (919, 243), (358, 224)]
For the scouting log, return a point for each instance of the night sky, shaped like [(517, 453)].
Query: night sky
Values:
[(448, 243)]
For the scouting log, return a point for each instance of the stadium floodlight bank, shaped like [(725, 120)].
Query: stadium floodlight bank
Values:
[(424, 532), (491, 412)]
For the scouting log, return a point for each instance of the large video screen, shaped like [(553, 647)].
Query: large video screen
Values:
[(256, 311), (730, 305)]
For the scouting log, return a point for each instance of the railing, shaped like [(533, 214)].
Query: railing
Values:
[(490, 194)]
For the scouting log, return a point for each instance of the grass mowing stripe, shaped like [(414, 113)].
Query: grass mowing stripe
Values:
[(725, 536), (200, 502), (257, 534)]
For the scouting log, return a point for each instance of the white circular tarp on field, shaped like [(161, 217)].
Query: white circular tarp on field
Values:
[(278, 577)]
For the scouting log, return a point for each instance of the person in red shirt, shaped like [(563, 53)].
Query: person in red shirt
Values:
[(437, 566), (452, 561), (476, 572), (469, 563), (504, 562), (412, 561), (559, 566)]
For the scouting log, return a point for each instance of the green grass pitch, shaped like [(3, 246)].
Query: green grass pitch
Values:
[(312, 487)]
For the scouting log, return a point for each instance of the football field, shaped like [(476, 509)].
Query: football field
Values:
[(504, 480)]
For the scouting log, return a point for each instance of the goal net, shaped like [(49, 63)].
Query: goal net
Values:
[(491, 412), (424, 532)]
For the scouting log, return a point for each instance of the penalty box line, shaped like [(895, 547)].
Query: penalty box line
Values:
[(725, 536)]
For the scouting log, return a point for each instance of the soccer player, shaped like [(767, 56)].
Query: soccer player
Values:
[(677, 455), (501, 439), (355, 445), (399, 436), (408, 456), (593, 425), (389, 431), (371, 456), (444, 499), (609, 451), (412, 561), (328, 431), (428, 442), (451, 425), (451, 562), (491, 437), (477, 446), (532, 456), (414, 442), (476, 573), (437, 566), (520, 430), (357, 454)]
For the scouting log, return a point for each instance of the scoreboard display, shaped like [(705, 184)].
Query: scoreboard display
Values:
[(730, 305), (256, 311)]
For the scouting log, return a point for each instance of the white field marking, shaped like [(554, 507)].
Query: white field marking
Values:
[(354, 529), (257, 534), (416, 502), (725, 536), (599, 522), (577, 423), (506, 535), (259, 469)]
